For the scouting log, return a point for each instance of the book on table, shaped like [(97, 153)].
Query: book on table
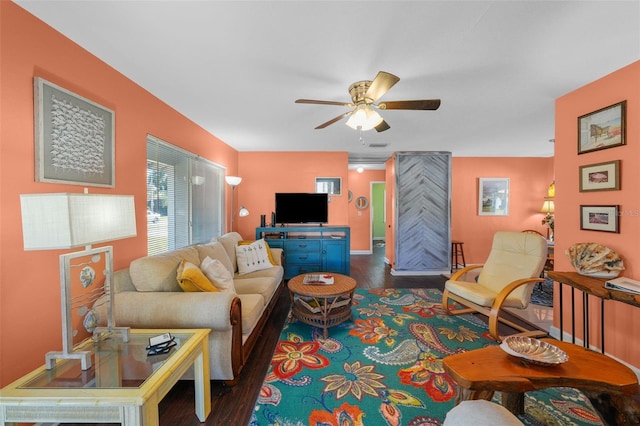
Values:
[(325, 279), (623, 284)]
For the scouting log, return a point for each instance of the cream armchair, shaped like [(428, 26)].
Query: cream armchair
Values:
[(505, 280)]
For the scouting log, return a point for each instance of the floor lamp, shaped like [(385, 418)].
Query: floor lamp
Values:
[(63, 221), (233, 181)]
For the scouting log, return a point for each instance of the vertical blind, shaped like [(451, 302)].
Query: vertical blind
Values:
[(184, 197)]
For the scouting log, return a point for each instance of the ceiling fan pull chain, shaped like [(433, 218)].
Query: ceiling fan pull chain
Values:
[(361, 138)]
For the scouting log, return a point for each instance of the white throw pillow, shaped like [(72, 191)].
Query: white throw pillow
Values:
[(252, 257), (218, 274)]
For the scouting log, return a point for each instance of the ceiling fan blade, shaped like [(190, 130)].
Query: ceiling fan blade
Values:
[(382, 126), (333, 120), (380, 85), (423, 104), (312, 101)]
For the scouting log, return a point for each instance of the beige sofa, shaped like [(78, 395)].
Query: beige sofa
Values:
[(147, 295)]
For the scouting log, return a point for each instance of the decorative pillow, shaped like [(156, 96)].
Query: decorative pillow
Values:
[(269, 254), (252, 257), (191, 278), (218, 274)]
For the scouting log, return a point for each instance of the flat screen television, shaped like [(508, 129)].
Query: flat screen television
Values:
[(297, 207)]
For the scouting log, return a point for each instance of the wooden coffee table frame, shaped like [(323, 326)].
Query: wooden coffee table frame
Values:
[(481, 372), (325, 297)]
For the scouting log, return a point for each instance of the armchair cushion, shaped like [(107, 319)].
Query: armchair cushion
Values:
[(513, 256)]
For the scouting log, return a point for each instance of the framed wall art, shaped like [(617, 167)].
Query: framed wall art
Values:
[(600, 218), (329, 185), (493, 196), (600, 176), (74, 138), (602, 129)]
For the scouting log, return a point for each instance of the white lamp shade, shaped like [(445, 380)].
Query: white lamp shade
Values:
[(56, 221), (233, 180), (548, 206), (243, 212)]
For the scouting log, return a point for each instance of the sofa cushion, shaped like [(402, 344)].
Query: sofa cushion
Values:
[(230, 241), (252, 257), (218, 274), (275, 272), (264, 286), (158, 272), (191, 278), (215, 250), (269, 254), (252, 308)]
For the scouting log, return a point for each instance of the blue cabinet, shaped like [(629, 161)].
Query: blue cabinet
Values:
[(310, 248)]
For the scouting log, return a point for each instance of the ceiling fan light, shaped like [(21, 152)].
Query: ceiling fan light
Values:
[(364, 118)]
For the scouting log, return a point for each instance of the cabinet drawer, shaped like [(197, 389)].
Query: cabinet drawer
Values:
[(293, 270), (292, 257), (275, 243), (302, 245)]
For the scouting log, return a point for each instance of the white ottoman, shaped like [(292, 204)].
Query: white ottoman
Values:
[(480, 413)]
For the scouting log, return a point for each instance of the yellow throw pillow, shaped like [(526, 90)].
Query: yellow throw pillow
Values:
[(191, 278), (269, 254)]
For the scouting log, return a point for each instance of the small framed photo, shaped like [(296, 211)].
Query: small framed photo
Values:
[(600, 218), (329, 185), (600, 177), (602, 129), (493, 196)]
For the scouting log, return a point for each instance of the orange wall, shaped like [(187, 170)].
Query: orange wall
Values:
[(265, 173), (30, 319), (528, 182), (622, 322), (360, 220)]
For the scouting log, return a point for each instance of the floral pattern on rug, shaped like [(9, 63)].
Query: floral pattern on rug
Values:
[(385, 368)]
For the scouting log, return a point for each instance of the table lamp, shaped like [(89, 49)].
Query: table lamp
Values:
[(69, 220)]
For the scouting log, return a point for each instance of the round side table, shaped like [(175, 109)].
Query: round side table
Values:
[(322, 305)]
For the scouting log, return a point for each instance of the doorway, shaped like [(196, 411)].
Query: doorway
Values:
[(378, 213)]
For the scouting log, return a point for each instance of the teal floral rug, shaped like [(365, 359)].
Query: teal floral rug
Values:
[(385, 368)]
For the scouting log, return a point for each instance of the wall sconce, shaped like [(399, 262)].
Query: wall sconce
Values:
[(62, 221)]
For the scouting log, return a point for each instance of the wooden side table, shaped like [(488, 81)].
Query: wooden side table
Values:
[(481, 372), (326, 297)]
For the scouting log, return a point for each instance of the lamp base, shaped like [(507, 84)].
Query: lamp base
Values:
[(122, 330), (83, 356)]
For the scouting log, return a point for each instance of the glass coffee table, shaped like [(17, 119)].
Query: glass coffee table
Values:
[(322, 305), (123, 385)]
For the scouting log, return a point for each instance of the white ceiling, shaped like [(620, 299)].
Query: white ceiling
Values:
[(236, 67)]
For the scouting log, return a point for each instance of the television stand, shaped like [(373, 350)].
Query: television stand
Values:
[(310, 248)]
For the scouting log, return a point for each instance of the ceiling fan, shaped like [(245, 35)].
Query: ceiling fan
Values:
[(364, 95)]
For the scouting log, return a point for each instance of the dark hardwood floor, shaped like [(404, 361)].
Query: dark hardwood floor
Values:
[(234, 405)]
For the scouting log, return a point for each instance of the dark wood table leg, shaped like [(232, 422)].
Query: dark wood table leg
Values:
[(615, 408), (468, 394), (513, 402)]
